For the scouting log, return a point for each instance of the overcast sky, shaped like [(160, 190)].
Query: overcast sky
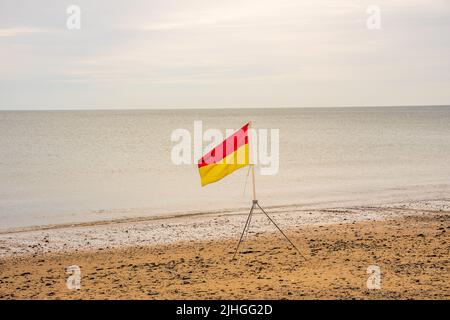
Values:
[(227, 53)]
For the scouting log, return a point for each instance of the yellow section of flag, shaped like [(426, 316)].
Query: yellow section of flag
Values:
[(229, 156)]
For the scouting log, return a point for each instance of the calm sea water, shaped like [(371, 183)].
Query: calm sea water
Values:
[(60, 167)]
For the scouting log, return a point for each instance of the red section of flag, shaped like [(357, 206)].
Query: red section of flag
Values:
[(229, 145)]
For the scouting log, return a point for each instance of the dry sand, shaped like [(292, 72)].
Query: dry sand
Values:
[(411, 248)]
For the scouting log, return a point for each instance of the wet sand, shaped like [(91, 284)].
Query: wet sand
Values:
[(411, 249)]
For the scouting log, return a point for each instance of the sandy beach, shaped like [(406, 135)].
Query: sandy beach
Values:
[(136, 141), (190, 257)]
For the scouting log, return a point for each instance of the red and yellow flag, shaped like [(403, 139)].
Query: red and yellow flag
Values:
[(229, 156)]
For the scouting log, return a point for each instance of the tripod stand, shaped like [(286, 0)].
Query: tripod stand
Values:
[(247, 223)]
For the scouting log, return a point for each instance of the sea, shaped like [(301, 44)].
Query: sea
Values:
[(69, 167)]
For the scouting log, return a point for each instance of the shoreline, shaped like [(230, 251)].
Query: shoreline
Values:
[(196, 227), (128, 215), (411, 251)]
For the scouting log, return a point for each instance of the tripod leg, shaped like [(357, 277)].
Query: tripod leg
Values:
[(248, 228), (243, 231), (281, 232)]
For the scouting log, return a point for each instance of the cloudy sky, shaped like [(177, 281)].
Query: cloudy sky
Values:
[(223, 53)]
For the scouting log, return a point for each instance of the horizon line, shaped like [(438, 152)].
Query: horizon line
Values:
[(213, 108)]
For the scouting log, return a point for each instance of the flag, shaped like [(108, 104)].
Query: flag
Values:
[(229, 156)]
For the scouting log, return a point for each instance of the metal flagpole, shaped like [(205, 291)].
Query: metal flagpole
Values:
[(254, 205), (253, 183), (255, 202)]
